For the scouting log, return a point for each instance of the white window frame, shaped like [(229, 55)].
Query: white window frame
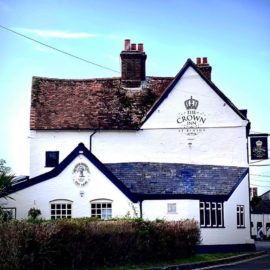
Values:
[(63, 206), (202, 210), (171, 208), (240, 216), (104, 213), (210, 212)]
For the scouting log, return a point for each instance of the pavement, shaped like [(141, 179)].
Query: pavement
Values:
[(262, 247)]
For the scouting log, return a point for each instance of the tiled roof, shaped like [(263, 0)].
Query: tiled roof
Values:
[(178, 179), (92, 103)]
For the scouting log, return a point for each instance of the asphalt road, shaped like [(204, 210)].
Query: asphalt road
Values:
[(262, 263)]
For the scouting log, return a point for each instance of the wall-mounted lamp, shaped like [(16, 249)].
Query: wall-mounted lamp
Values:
[(81, 193)]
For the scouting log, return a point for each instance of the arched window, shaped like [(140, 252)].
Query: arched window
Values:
[(61, 209), (101, 208)]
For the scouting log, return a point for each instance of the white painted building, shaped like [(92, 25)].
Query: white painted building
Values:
[(170, 148), (260, 218)]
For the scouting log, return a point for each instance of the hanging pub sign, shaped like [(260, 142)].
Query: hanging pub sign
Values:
[(259, 147)]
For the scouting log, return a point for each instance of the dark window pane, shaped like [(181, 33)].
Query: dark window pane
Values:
[(214, 214), (53, 206), (202, 217), (69, 206), (207, 214), (52, 158)]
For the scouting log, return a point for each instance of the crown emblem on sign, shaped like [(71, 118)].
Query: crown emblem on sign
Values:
[(191, 104), (259, 143)]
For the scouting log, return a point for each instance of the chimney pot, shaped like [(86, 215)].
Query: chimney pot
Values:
[(127, 45), (198, 60), (140, 47), (133, 47), (204, 60)]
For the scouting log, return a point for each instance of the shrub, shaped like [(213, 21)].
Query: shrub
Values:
[(72, 244), (34, 213)]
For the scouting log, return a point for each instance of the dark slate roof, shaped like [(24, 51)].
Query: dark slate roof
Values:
[(171, 180), (141, 181), (91, 103), (263, 207)]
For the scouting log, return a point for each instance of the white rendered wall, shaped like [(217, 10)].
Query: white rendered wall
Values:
[(213, 108), (63, 187), (158, 209), (216, 146), (231, 234), (263, 218)]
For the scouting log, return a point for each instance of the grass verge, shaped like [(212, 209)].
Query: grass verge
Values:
[(194, 259)]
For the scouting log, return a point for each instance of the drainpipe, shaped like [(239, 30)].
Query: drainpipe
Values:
[(90, 138), (141, 214)]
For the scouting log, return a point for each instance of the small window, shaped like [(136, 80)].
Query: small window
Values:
[(52, 158), (240, 215), (101, 209), (9, 213), (211, 214), (171, 208), (61, 209)]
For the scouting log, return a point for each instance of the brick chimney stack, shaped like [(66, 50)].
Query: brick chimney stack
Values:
[(133, 60), (204, 67)]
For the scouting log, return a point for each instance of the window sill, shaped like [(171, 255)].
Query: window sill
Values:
[(222, 227), (242, 227)]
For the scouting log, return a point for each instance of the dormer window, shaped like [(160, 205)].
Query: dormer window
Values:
[(52, 158)]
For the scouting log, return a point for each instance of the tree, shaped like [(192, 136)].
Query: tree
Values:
[(3, 167), (5, 184), (5, 179), (255, 201)]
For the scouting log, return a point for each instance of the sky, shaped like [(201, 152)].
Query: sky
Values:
[(233, 34)]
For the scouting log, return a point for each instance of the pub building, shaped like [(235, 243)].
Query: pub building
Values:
[(155, 147)]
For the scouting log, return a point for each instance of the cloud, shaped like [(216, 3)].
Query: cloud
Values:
[(58, 34)]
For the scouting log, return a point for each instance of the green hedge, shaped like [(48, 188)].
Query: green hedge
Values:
[(74, 244)]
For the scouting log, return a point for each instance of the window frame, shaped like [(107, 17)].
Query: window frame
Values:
[(240, 216), (12, 210), (61, 203), (99, 207), (49, 162), (211, 214), (171, 208)]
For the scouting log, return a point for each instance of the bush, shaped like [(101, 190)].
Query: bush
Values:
[(73, 244), (34, 213)]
